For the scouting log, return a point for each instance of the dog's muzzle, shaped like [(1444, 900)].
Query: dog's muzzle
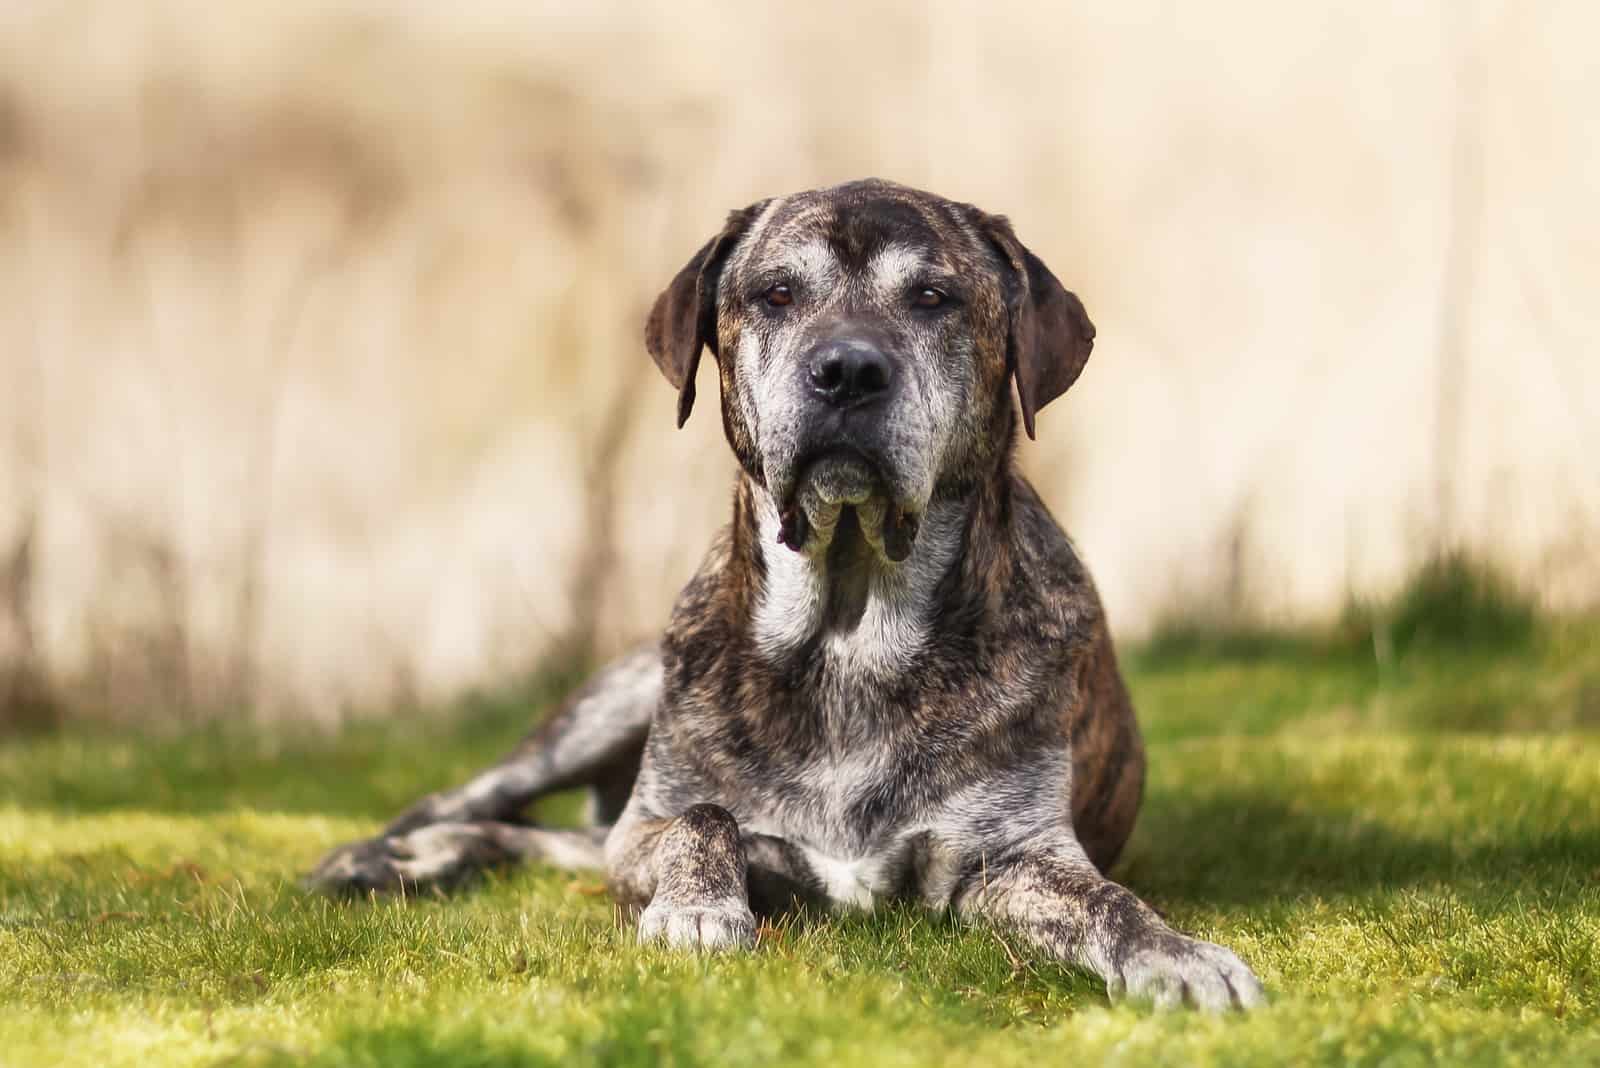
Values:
[(849, 382)]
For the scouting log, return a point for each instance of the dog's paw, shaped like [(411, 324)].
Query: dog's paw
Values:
[(1170, 970), (357, 869), (700, 927), (439, 856)]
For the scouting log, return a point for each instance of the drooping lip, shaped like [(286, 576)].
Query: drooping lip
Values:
[(896, 526), (900, 528)]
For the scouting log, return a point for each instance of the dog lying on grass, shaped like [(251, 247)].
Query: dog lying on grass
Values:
[(891, 676)]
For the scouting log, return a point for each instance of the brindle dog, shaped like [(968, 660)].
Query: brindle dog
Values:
[(891, 676)]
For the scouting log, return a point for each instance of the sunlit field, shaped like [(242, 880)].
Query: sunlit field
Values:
[(1408, 854)]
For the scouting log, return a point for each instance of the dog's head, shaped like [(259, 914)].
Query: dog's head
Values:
[(866, 338)]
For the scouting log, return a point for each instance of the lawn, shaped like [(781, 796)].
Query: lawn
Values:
[(1405, 847)]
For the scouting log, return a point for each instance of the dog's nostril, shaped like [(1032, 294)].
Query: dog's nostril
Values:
[(828, 373), (872, 378)]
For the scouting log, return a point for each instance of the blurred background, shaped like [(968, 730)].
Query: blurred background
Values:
[(322, 388)]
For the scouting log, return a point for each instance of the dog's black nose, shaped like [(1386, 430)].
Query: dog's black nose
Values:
[(848, 372)]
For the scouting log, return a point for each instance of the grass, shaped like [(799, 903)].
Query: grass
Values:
[(1407, 849)]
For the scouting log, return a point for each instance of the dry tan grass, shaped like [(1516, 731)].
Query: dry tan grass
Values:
[(322, 321)]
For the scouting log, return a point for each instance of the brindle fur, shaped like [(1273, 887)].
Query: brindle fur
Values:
[(891, 675)]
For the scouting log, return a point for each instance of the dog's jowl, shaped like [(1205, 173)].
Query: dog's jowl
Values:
[(891, 676)]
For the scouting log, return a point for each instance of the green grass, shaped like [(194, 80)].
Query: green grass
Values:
[(1406, 848)]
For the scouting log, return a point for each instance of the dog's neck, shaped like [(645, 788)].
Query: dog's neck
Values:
[(838, 597)]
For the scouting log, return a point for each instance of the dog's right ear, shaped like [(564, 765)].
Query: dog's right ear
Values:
[(685, 314)]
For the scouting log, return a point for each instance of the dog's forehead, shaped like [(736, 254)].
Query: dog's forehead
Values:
[(888, 231)]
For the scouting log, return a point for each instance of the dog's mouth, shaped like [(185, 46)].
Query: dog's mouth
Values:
[(841, 482)]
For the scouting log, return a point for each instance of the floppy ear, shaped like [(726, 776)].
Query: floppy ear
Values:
[(1051, 334), (685, 314)]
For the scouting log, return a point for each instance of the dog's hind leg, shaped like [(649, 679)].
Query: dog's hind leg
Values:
[(443, 856), (595, 740)]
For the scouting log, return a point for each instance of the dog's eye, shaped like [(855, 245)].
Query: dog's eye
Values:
[(779, 296), (928, 298)]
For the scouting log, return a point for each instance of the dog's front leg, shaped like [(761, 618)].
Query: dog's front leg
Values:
[(1056, 896), (689, 873)]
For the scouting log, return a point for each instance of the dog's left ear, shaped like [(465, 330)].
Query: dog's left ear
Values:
[(1051, 334), (685, 314)]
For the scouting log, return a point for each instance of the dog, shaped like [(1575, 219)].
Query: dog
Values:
[(891, 676)]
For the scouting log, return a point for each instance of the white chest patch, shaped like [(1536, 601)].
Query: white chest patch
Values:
[(894, 626), (852, 883)]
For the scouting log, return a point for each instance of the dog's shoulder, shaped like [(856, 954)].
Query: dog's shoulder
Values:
[(704, 617), (1052, 595)]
